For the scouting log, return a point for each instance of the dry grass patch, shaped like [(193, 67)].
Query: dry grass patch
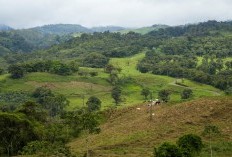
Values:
[(129, 131)]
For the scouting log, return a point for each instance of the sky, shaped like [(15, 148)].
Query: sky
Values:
[(126, 13)]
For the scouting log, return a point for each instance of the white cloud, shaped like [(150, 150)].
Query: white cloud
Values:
[(130, 13)]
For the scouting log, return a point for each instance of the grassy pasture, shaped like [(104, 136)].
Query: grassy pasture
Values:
[(79, 88)]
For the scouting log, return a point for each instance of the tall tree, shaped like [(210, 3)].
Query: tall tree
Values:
[(164, 95), (116, 94), (15, 132), (93, 104), (145, 92)]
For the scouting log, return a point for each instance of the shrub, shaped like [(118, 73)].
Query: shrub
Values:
[(187, 93), (164, 95), (45, 148), (190, 145), (167, 150), (93, 104)]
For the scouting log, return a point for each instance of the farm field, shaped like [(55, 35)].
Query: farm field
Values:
[(79, 88)]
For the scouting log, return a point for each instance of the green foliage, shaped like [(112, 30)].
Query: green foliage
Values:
[(93, 73), (33, 111), (55, 104), (116, 94), (167, 150), (182, 66), (228, 91), (45, 148), (190, 145), (186, 93), (13, 42), (56, 131), (1, 71), (145, 92), (211, 130), (16, 71), (164, 95), (113, 77), (228, 65), (93, 104), (95, 60), (42, 92), (15, 132), (14, 97), (61, 69), (56, 67), (187, 146), (90, 122)]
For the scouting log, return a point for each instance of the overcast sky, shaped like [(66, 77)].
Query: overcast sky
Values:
[(127, 13)]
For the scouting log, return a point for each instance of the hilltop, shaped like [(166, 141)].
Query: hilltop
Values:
[(129, 132), (5, 27), (144, 30)]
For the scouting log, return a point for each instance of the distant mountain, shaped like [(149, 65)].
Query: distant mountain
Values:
[(40, 40), (5, 27), (12, 42), (143, 30), (61, 29), (107, 28), (200, 29)]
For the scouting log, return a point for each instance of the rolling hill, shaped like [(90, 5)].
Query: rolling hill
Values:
[(172, 59), (5, 27), (129, 132), (99, 86), (144, 30)]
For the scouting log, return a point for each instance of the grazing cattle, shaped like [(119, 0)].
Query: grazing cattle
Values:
[(138, 108), (157, 102)]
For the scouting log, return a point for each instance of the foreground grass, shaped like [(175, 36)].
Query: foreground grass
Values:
[(129, 132)]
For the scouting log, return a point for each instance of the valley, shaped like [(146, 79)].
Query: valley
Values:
[(75, 91)]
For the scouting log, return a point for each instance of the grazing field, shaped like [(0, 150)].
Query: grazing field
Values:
[(129, 132), (79, 88)]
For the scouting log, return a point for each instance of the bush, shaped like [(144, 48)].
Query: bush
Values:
[(1, 71), (45, 148), (145, 92), (93, 73), (95, 60), (190, 145), (167, 150), (164, 95), (16, 71), (93, 104), (187, 93), (116, 94), (228, 91)]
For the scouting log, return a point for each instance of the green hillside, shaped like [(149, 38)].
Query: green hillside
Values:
[(74, 87), (58, 96), (144, 30)]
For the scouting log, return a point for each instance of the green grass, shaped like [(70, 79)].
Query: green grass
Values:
[(227, 59), (75, 86), (155, 82)]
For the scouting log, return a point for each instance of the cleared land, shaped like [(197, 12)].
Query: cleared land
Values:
[(129, 132), (79, 88)]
